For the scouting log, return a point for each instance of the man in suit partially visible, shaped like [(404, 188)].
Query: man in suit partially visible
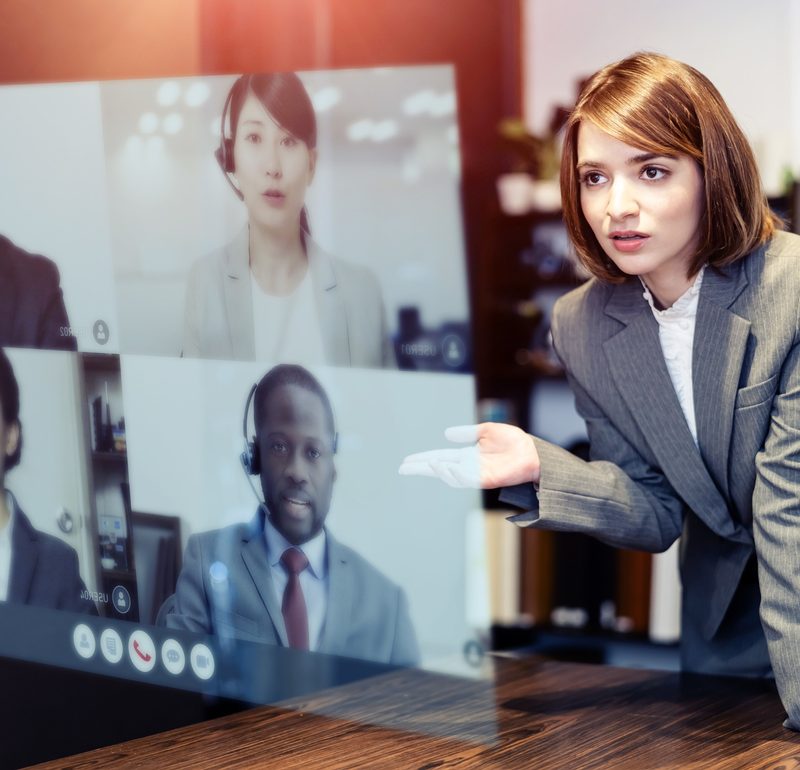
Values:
[(32, 311), (35, 568), (283, 578)]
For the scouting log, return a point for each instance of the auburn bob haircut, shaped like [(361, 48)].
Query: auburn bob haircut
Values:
[(661, 105)]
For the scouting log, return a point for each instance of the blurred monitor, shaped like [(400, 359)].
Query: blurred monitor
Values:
[(166, 244)]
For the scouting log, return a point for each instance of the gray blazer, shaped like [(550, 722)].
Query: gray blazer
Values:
[(736, 496), (218, 320), (367, 615), (44, 570)]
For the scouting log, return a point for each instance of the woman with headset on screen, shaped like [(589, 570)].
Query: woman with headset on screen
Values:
[(273, 293), (683, 352)]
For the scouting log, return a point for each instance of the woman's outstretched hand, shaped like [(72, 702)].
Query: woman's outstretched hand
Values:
[(499, 455)]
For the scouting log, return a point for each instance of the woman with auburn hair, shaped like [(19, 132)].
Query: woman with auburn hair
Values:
[(273, 293), (683, 352)]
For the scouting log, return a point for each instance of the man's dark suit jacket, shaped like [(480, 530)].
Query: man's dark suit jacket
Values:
[(44, 570), (32, 311)]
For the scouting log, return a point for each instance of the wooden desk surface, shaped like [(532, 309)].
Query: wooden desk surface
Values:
[(526, 713)]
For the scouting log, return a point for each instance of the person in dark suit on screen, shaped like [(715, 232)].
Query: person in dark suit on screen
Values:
[(35, 568), (282, 578), (32, 311)]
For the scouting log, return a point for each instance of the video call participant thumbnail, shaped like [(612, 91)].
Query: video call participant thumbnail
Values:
[(32, 311), (283, 578), (35, 568), (273, 293)]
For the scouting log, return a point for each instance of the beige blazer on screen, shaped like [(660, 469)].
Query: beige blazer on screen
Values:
[(218, 321), (735, 497)]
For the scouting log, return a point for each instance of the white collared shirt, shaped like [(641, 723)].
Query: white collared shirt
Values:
[(676, 334), (313, 579), (5, 548)]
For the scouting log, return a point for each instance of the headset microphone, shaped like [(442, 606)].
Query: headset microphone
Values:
[(251, 460), (224, 153)]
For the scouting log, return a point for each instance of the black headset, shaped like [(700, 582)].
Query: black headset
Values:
[(251, 457), (224, 153)]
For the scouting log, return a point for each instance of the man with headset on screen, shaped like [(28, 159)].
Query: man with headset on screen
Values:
[(282, 578)]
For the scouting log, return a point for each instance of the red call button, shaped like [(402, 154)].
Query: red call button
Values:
[(141, 651)]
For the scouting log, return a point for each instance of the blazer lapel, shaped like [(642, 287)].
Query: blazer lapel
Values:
[(341, 592), (9, 293), (24, 556), (254, 555), (330, 307), (238, 299), (637, 365), (716, 365)]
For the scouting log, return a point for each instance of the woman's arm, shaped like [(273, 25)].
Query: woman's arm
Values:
[(617, 496)]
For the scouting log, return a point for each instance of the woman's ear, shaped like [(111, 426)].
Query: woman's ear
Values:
[(12, 439)]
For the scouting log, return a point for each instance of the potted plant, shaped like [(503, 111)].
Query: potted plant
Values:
[(533, 182)]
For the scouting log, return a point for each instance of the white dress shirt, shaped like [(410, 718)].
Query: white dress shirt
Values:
[(676, 334), (5, 549), (313, 579)]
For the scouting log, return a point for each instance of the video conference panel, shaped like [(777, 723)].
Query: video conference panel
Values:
[(231, 305)]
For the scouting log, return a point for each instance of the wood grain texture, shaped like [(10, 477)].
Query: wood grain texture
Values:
[(525, 713)]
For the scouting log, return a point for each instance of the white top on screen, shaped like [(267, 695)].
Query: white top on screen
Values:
[(287, 328)]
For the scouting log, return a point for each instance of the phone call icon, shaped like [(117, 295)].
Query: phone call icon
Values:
[(141, 651), (146, 657)]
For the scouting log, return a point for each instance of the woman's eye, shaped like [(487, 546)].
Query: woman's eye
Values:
[(253, 138), (653, 173), (288, 141), (592, 178)]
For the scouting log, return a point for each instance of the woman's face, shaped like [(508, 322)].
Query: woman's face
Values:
[(644, 209), (272, 167)]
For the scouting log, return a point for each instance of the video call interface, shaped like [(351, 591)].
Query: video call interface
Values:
[(229, 307)]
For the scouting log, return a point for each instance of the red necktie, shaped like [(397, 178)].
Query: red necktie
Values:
[(294, 604)]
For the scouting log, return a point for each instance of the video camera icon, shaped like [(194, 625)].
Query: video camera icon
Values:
[(202, 660)]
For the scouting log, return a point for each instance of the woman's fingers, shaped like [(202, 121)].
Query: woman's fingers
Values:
[(463, 434), (433, 455), (456, 467)]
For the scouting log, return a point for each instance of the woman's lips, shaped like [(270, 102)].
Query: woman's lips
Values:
[(274, 198), (628, 241)]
